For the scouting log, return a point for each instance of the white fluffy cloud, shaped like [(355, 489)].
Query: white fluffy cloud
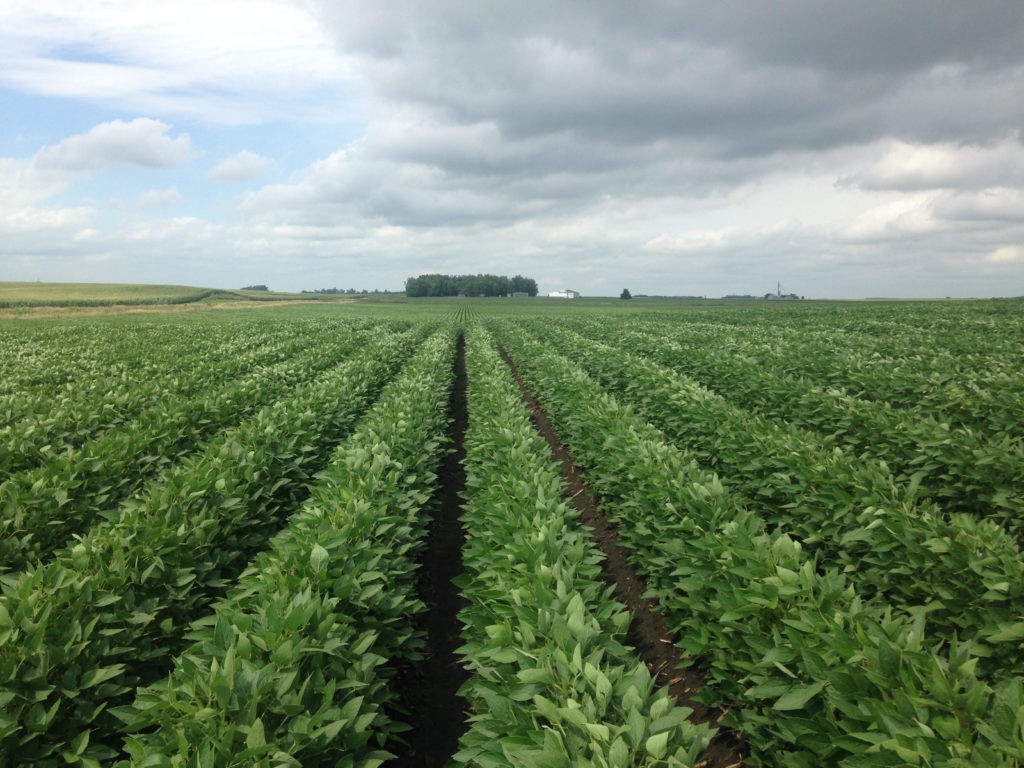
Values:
[(21, 183), (142, 142), (229, 61), (32, 226)]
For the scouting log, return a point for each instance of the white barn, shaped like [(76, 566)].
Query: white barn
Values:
[(566, 294)]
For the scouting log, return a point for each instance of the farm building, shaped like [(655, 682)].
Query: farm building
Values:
[(565, 294)]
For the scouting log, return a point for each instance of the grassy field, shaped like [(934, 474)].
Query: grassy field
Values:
[(85, 294), (21, 295)]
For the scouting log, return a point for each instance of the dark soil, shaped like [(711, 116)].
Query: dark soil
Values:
[(428, 688), (648, 633)]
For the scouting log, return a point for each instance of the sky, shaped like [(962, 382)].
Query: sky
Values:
[(684, 147)]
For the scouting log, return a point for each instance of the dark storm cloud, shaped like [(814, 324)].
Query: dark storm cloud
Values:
[(740, 78), (866, 37)]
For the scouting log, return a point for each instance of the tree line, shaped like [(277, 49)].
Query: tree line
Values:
[(469, 285)]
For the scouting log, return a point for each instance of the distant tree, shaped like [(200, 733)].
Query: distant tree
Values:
[(520, 284), (469, 285), (625, 294), (255, 288)]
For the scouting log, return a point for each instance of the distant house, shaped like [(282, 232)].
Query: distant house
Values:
[(566, 294), (520, 295)]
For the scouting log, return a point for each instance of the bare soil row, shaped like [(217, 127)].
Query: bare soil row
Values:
[(429, 689)]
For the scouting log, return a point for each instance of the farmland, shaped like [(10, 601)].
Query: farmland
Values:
[(20, 299), (417, 532)]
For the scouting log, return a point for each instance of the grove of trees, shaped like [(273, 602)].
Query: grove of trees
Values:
[(469, 285)]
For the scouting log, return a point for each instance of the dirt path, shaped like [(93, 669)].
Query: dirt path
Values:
[(648, 632), (429, 687)]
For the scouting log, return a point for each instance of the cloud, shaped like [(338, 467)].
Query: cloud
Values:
[(27, 182), (564, 109), (226, 61), (354, 185), (242, 166), (729, 78), (27, 221), (1007, 253), (28, 226), (143, 142), (695, 147), (909, 167), (21, 183), (893, 219), (988, 207)]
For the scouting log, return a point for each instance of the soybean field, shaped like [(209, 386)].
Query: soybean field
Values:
[(514, 532)]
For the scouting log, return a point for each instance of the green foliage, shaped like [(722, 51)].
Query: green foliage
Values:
[(553, 684), (972, 467), (824, 498), (816, 673), (64, 495), (469, 285), (95, 294), (102, 616), (848, 511), (293, 666)]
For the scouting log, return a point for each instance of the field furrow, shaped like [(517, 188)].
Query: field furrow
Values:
[(552, 682)]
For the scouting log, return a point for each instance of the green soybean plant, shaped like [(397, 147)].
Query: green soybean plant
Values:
[(295, 665), (552, 682)]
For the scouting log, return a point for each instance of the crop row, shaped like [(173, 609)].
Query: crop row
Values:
[(140, 370), (817, 674), (847, 511), (51, 423), (48, 359), (553, 684), (966, 335), (960, 386), (71, 361), (294, 666), (962, 470), (43, 507), (945, 378), (79, 633), (915, 363)]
